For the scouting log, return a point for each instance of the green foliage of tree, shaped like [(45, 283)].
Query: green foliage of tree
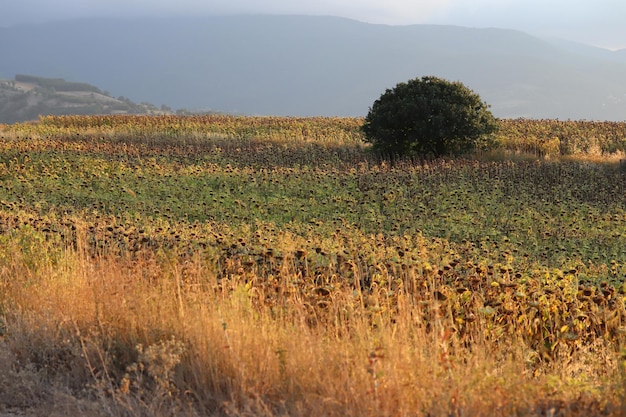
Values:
[(429, 117)]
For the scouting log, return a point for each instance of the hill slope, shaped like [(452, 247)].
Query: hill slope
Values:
[(26, 97), (296, 65)]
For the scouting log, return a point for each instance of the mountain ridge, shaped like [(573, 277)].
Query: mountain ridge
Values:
[(316, 66)]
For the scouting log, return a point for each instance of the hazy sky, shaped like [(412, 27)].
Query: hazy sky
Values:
[(596, 22)]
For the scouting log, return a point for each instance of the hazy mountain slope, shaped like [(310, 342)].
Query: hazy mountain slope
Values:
[(296, 65), (589, 51)]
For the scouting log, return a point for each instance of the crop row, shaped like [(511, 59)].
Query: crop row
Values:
[(558, 215), (535, 137)]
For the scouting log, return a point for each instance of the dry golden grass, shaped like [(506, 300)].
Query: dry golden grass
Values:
[(157, 336)]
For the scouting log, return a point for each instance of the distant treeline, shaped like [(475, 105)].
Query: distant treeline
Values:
[(56, 84)]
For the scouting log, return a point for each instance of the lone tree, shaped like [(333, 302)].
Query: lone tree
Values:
[(429, 117)]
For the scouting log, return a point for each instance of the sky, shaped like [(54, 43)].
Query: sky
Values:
[(594, 22)]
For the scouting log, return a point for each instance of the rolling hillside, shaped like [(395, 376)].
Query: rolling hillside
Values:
[(26, 97)]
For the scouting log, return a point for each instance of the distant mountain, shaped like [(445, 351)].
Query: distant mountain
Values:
[(26, 97), (588, 51), (302, 65)]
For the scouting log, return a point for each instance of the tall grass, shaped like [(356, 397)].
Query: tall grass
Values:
[(155, 335)]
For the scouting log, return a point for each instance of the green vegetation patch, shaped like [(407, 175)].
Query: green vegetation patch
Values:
[(295, 174)]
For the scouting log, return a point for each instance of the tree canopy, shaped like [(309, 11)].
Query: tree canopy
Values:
[(429, 116)]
